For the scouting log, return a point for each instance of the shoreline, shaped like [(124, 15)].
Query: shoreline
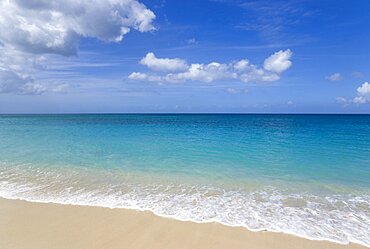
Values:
[(25, 224)]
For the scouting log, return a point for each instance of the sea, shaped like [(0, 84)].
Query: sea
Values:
[(306, 175)]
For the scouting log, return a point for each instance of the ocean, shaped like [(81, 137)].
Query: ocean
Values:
[(307, 175)]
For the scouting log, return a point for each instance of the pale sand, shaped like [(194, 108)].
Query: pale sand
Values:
[(35, 225)]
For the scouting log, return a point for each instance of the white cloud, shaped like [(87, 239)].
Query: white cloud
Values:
[(335, 77), (31, 28), (54, 26), (252, 73), (163, 64), (16, 69), (241, 65), (364, 90), (279, 61), (15, 82), (241, 70), (145, 77), (203, 72), (137, 76), (363, 94)]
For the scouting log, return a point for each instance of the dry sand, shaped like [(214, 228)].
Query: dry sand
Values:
[(36, 225)]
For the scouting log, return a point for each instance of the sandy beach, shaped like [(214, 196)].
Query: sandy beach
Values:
[(37, 225)]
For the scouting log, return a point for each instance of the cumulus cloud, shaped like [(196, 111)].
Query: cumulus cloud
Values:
[(16, 70), (54, 26), (202, 72), (163, 64), (13, 82), (29, 29), (363, 94), (335, 77), (144, 77), (279, 61), (241, 70), (138, 76)]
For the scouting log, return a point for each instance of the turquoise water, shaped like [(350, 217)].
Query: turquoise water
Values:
[(307, 175)]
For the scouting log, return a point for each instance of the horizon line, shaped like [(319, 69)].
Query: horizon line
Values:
[(186, 113)]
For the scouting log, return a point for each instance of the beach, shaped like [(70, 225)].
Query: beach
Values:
[(38, 225)]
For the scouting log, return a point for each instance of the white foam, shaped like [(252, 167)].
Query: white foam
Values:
[(339, 218)]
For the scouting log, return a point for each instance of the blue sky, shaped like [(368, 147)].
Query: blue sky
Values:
[(299, 56)]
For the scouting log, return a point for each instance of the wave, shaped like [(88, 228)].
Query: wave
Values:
[(340, 218)]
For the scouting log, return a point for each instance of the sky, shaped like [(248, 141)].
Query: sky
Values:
[(184, 56)]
